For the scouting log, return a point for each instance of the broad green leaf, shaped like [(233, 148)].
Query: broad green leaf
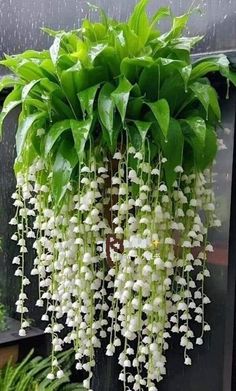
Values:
[(109, 60), (161, 111), (87, 78), (12, 100), (173, 151), (29, 71), (8, 82), (210, 64), (194, 130), (86, 98), (27, 88), (65, 161), (149, 82), (134, 108), (143, 128), (60, 106), (121, 96), (207, 95), (139, 22), (25, 124), (111, 137), (54, 133), (80, 131), (210, 149), (106, 107), (94, 51), (132, 67), (134, 136), (69, 88)]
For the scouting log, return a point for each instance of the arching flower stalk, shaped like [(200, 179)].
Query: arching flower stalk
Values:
[(116, 139)]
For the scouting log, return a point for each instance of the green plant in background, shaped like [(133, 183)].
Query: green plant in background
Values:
[(31, 375), (117, 135)]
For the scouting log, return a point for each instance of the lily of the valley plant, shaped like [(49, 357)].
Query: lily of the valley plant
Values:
[(116, 136)]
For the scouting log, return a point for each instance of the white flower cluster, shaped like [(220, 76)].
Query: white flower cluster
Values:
[(155, 287)]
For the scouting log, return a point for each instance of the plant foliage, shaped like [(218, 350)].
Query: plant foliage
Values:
[(101, 79), (31, 375)]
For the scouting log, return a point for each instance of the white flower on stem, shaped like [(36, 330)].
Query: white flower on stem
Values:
[(22, 332), (187, 361)]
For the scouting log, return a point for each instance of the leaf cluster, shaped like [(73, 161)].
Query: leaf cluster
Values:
[(31, 375), (109, 80)]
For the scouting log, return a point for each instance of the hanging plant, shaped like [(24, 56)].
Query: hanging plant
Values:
[(116, 139)]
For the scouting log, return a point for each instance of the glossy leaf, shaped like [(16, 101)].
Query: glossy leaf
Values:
[(143, 128), (27, 88), (111, 138), (8, 82), (106, 106), (210, 64), (161, 111), (194, 130), (25, 124), (65, 161), (207, 95), (173, 151), (121, 95), (12, 100), (54, 133), (86, 98), (80, 132), (139, 21), (210, 149)]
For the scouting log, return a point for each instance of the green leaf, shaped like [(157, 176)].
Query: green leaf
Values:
[(12, 100), (8, 82), (207, 95), (54, 133), (149, 82), (210, 148), (121, 96), (65, 161), (111, 137), (194, 130), (132, 67), (139, 22), (161, 111), (27, 88), (143, 128), (25, 124), (106, 106), (55, 48), (80, 131), (173, 151), (210, 64), (95, 50), (86, 98), (179, 24), (162, 13)]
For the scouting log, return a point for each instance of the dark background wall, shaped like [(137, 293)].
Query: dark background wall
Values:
[(20, 22)]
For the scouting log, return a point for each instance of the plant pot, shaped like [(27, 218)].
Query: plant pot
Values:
[(14, 347)]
